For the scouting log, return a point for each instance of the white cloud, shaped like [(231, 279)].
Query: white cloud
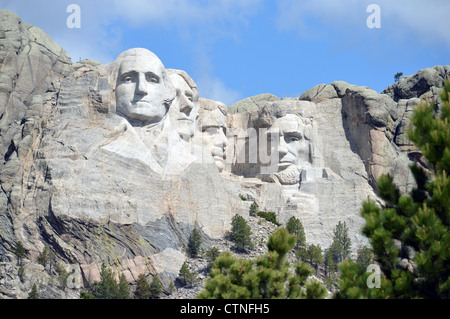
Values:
[(210, 86), (427, 21), (411, 20), (214, 89), (182, 12), (93, 40)]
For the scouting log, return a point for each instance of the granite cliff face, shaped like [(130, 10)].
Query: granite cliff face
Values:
[(89, 172)]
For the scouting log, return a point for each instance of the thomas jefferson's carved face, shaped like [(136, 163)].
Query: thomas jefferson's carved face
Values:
[(184, 110), (140, 88)]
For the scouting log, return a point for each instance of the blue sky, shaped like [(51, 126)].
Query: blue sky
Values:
[(239, 48)]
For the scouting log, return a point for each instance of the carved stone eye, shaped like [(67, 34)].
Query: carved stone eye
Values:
[(152, 78), (292, 139)]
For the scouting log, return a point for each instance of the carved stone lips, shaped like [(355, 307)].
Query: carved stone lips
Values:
[(285, 163), (140, 101), (218, 153), (185, 119)]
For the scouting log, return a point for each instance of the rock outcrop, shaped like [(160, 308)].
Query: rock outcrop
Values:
[(93, 175)]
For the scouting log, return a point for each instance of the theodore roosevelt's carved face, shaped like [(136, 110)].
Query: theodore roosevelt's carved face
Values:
[(214, 126), (141, 88)]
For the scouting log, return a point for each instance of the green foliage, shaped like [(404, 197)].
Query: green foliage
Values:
[(63, 275), (142, 288), (295, 227), (268, 276), (34, 293), (107, 287), (242, 197), (46, 257), (254, 208), (20, 252), (312, 254), (419, 221), (194, 243), (211, 254), (342, 242), (330, 267), (281, 241), (269, 216), (21, 273), (240, 233), (353, 283), (364, 257), (124, 288), (397, 76), (338, 251), (155, 288), (186, 276), (171, 287), (86, 295)]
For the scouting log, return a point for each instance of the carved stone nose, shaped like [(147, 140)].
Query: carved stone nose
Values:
[(282, 148), (141, 87)]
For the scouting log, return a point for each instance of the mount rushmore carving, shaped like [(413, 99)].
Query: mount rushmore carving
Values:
[(118, 163)]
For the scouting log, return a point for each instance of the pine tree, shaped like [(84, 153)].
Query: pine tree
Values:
[(155, 288), (142, 288), (123, 288), (342, 242), (44, 257), (312, 255), (211, 254), (295, 227), (364, 256), (194, 243), (34, 293), (21, 273), (265, 277), (397, 76), (20, 252), (186, 276), (240, 233), (415, 226), (254, 208), (330, 265), (107, 287)]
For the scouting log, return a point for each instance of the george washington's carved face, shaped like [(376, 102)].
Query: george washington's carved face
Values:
[(140, 87)]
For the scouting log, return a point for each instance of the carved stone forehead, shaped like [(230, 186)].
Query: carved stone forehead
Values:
[(179, 83), (139, 60), (213, 118), (290, 123), (212, 113)]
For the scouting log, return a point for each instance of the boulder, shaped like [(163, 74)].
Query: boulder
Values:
[(319, 93), (251, 104)]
